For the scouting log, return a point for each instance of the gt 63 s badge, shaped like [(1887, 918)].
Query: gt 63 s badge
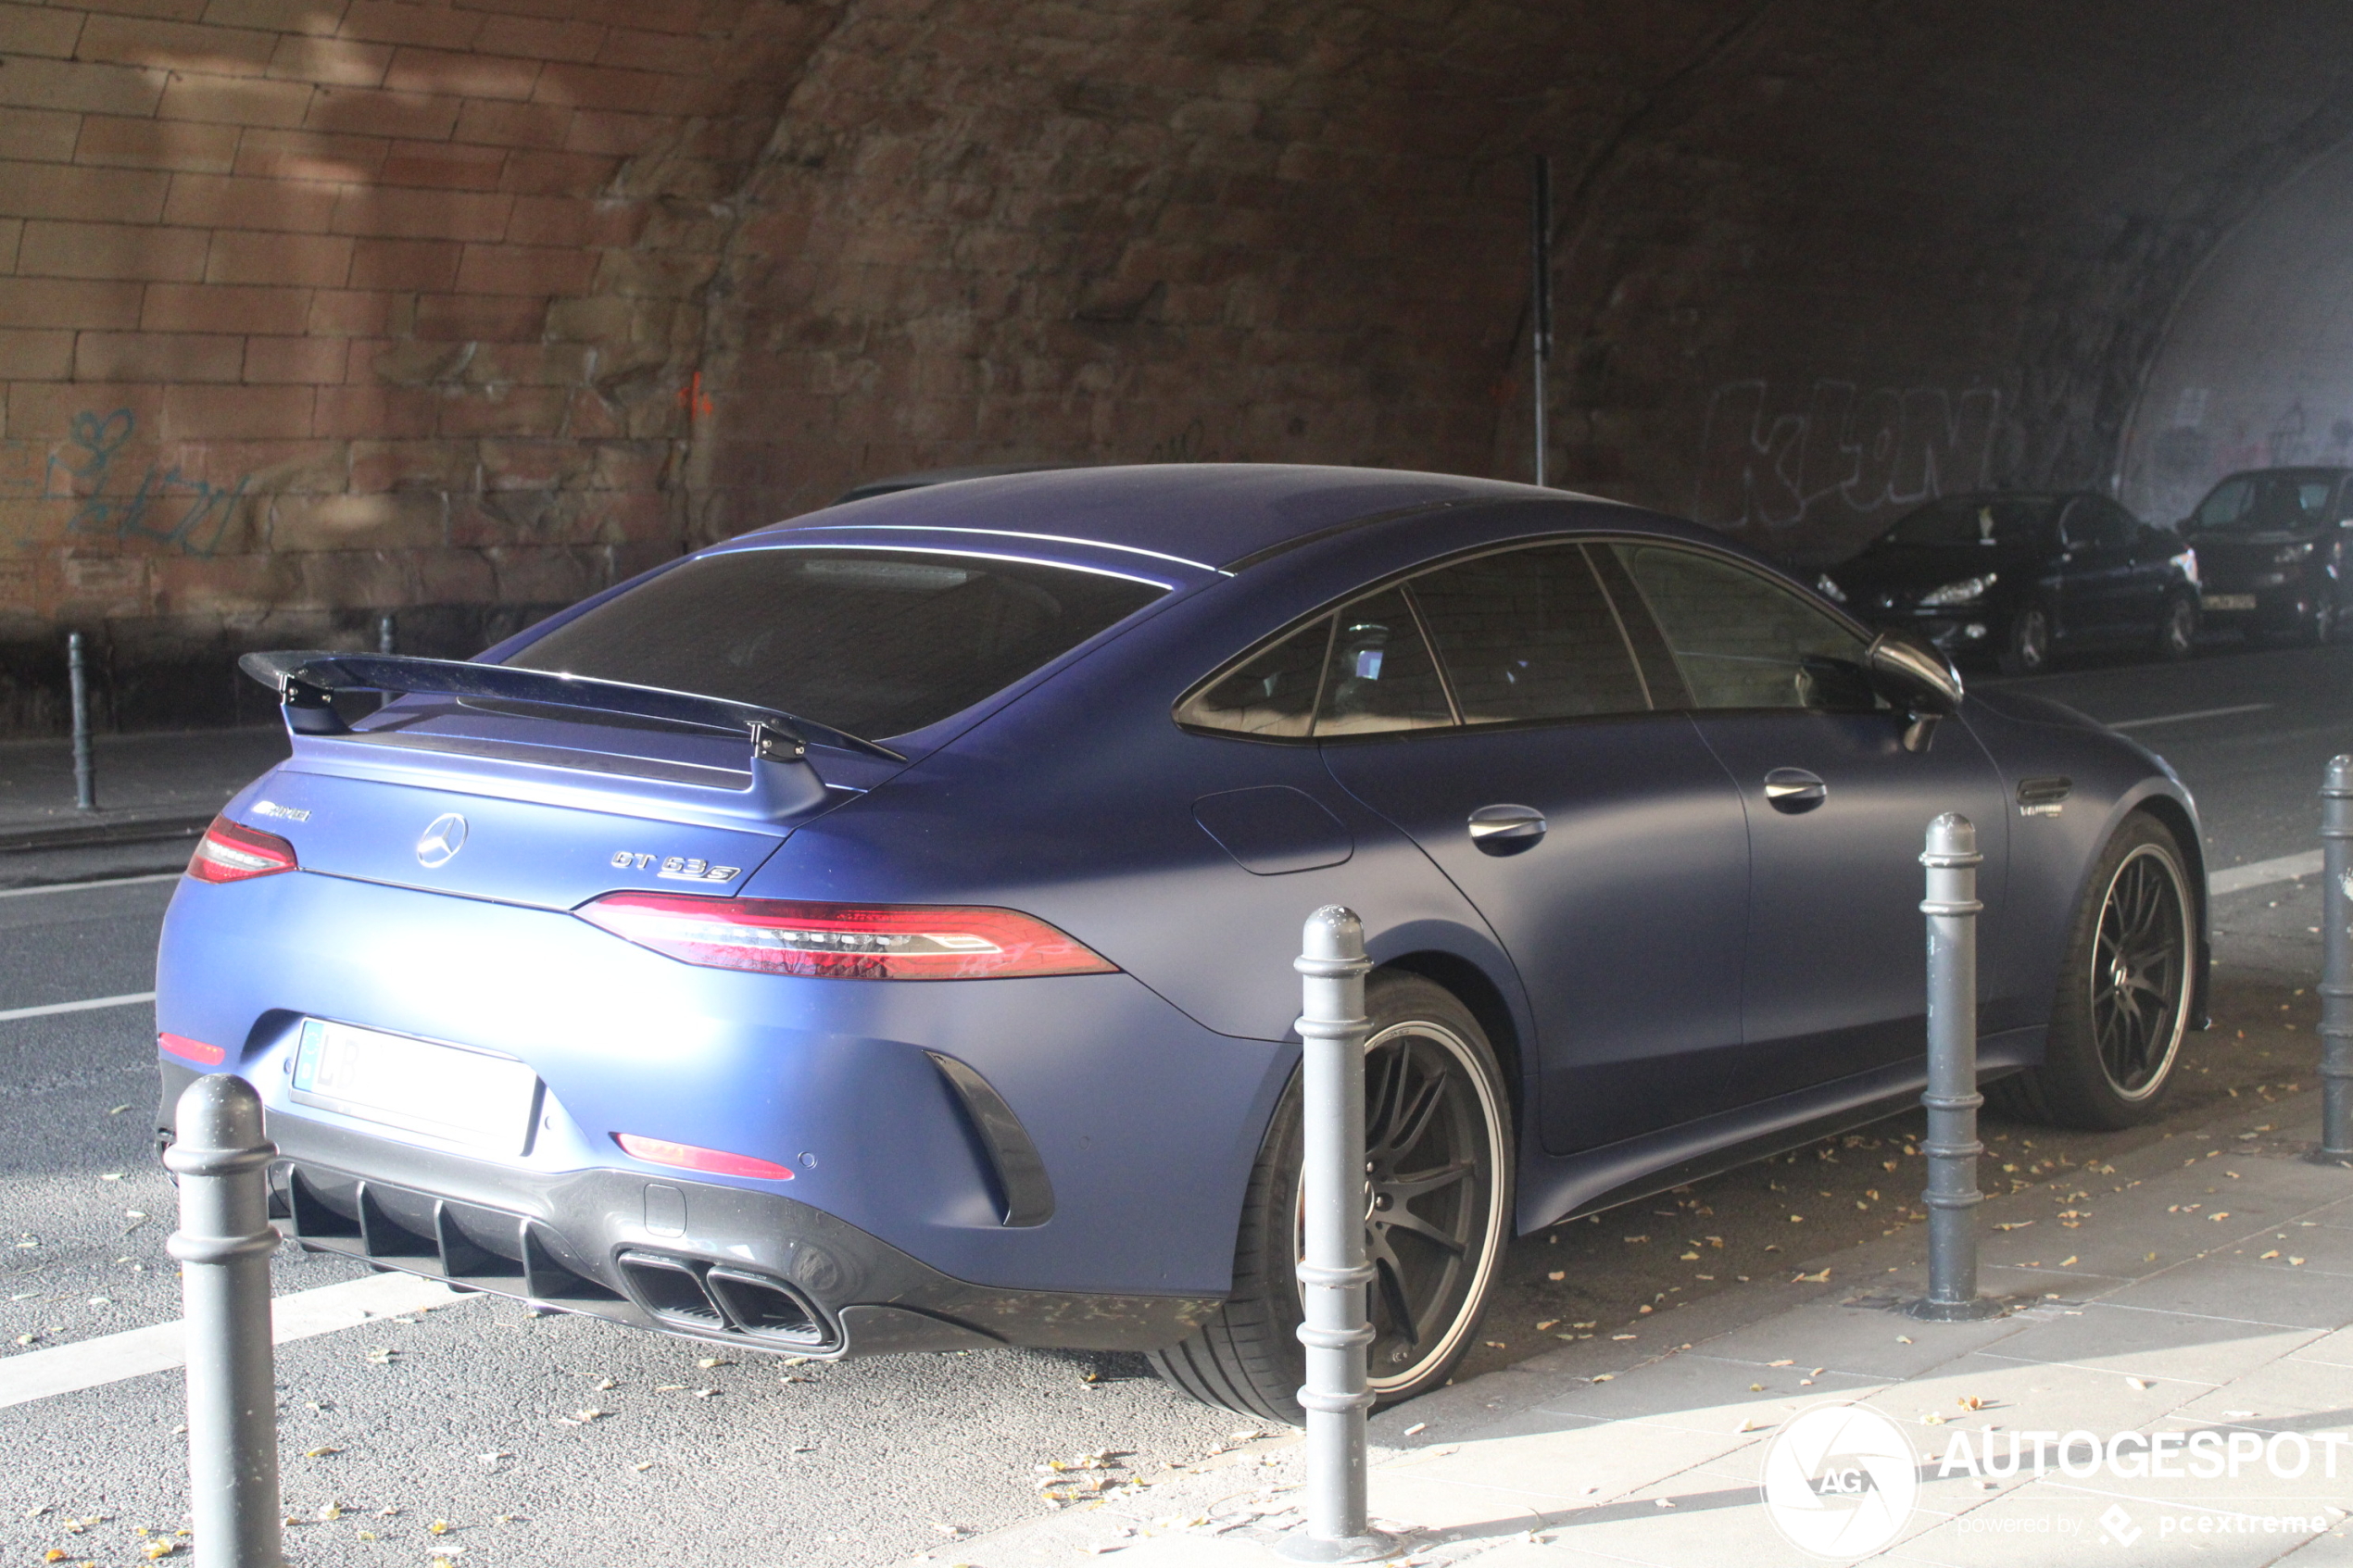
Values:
[(677, 868)]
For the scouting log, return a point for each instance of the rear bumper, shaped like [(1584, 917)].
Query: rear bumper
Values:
[(754, 1269), (1144, 1124)]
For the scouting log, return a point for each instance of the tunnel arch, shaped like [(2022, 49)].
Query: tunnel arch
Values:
[(2256, 366), (462, 308)]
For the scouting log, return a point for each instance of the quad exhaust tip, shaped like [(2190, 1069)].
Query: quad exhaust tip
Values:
[(716, 1298)]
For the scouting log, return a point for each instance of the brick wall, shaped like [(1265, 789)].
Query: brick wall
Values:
[(311, 310), (316, 310)]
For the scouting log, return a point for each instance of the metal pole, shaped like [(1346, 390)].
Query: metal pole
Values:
[(85, 782), (224, 1245), (1540, 254), (1952, 1099), (384, 639), (2337, 963), (1333, 1274)]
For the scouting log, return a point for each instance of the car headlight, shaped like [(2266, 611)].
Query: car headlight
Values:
[(1830, 590), (1967, 591), (2288, 555)]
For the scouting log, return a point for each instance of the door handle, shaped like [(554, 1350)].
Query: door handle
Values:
[(1506, 830), (1793, 790)]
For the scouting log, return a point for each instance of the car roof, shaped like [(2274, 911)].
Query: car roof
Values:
[(1210, 514)]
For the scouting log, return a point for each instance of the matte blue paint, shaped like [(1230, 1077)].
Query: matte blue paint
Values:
[(1678, 968)]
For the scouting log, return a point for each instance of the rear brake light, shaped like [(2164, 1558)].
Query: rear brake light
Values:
[(687, 1156), (194, 1051), (233, 852), (844, 941)]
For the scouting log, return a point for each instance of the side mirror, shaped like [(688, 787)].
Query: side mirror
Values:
[(1914, 676)]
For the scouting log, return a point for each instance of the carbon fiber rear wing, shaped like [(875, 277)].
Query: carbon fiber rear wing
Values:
[(306, 682)]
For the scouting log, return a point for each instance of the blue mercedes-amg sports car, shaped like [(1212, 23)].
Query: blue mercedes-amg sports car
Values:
[(873, 933)]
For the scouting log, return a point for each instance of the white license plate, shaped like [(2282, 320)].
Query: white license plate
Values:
[(465, 1097), (2230, 601)]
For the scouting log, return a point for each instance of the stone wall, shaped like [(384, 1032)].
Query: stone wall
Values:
[(312, 310)]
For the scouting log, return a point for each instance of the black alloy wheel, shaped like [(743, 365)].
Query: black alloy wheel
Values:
[(2026, 646), (1431, 1214), (2177, 628), (2140, 971), (2124, 993), (1437, 1213)]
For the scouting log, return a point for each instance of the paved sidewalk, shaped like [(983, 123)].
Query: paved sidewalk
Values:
[(149, 787), (2199, 1290)]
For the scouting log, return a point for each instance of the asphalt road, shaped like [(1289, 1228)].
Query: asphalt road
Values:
[(477, 1417)]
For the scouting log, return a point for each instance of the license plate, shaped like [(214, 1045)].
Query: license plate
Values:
[(465, 1097), (2230, 601)]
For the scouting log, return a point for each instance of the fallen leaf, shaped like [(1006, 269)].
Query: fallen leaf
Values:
[(438, 1527), (321, 1452), (1557, 1274), (1970, 1402), (2137, 1382), (2296, 1262), (1606, 1377)]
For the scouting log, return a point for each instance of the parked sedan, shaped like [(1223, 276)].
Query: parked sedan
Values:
[(2272, 548), (2022, 578), (873, 933)]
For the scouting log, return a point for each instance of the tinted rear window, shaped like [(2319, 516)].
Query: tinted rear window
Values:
[(873, 641)]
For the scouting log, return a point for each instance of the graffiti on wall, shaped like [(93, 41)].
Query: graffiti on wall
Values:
[(1772, 459), (160, 503)]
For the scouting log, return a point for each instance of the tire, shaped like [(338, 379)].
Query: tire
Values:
[(1429, 1067), (2026, 646), (2176, 629), (2123, 1001)]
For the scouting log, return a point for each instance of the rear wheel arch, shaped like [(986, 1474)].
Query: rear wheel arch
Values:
[(1472, 986)]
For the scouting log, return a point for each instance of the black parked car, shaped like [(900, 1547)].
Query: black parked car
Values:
[(2024, 577), (2271, 546)]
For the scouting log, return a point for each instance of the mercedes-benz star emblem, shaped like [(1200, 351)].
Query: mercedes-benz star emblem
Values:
[(441, 841)]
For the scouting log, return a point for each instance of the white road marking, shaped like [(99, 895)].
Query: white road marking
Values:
[(85, 886), (2186, 718), (43, 1375), (2262, 874), (93, 1005)]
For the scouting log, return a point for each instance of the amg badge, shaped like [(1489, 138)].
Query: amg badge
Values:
[(677, 868)]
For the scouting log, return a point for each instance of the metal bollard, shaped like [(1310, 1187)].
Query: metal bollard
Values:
[(85, 782), (385, 642), (224, 1245), (1951, 1098), (2336, 964), (1334, 1274)]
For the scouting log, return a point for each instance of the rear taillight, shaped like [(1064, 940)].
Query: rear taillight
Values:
[(687, 1156), (194, 1051), (233, 852), (844, 941)]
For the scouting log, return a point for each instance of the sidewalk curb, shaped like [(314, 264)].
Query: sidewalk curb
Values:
[(1462, 1411), (88, 834)]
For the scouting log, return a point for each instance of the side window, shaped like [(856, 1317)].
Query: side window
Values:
[(2090, 523), (1739, 640), (1529, 634), (1380, 676), (1273, 696)]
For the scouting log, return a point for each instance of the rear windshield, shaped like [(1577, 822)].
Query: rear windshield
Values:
[(1976, 519), (873, 641)]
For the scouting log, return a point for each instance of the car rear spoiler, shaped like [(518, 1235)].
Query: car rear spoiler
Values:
[(306, 680)]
